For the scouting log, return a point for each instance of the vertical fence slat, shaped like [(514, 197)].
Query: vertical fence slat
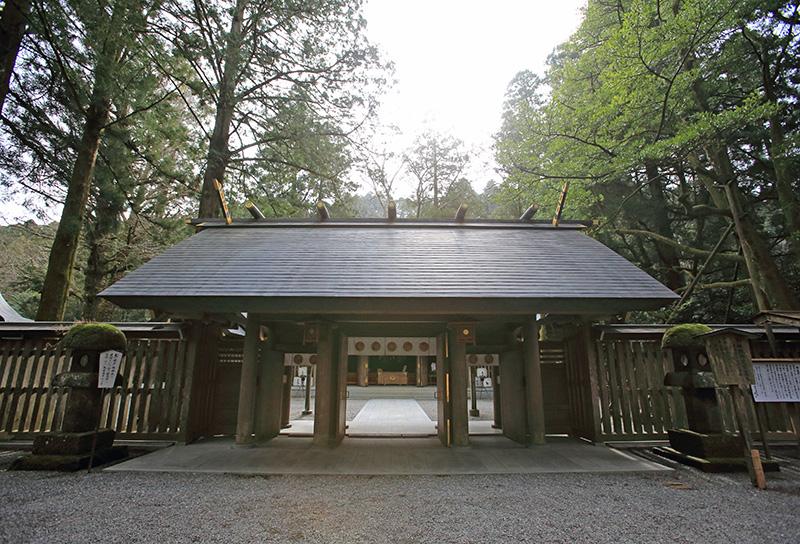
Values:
[(33, 373), (631, 411), (602, 385), (7, 366), (38, 419), (644, 391), (20, 369)]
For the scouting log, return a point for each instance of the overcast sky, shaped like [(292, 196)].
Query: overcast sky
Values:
[(453, 61), (455, 58)]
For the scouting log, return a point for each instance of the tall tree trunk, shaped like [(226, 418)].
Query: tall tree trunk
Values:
[(784, 178), (12, 29), (62, 255), (667, 254), (217, 158), (92, 275), (785, 174), (761, 265)]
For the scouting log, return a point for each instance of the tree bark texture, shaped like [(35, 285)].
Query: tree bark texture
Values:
[(218, 151), (667, 254), (65, 245), (12, 30)]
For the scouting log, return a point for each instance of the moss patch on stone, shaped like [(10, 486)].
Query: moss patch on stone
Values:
[(94, 336), (684, 336)]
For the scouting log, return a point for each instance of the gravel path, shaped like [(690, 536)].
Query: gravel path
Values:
[(684, 506)]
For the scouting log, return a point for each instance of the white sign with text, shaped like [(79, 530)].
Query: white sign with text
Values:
[(109, 367), (776, 382)]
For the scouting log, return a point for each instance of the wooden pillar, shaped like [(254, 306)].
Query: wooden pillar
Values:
[(331, 388), (198, 388), (512, 387), (270, 392), (245, 419), (363, 370), (534, 395), (591, 392), (457, 352), (418, 371), (497, 401), (442, 392), (423, 364), (307, 400), (473, 392), (286, 395)]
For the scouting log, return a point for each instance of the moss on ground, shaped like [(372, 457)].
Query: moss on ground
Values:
[(99, 336), (684, 336)]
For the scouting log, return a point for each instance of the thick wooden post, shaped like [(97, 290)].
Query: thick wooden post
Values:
[(512, 387), (473, 391), (534, 395), (457, 352), (497, 401), (201, 358), (424, 366), (286, 395), (442, 392), (248, 384), (363, 370), (592, 392), (270, 393), (331, 391)]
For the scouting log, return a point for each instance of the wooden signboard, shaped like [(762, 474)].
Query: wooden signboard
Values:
[(729, 355)]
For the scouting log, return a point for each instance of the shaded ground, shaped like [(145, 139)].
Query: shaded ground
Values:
[(683, 506)]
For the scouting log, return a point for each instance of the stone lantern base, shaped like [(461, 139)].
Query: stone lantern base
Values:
[(70, 451), (709, 452)]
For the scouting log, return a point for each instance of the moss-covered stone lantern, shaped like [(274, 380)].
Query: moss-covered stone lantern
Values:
[(71, 445), (693, 375)]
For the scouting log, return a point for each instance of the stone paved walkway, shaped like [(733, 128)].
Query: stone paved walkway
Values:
[(391, 417), (486, 455)]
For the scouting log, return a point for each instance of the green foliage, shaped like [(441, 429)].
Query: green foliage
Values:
[(636, 109), (684, 336), (94, 336)]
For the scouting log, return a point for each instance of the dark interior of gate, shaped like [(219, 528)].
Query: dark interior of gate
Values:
[(288, 369), (274, 304)]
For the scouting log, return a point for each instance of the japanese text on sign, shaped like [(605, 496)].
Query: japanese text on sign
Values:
[(109, 367), (776, 382)]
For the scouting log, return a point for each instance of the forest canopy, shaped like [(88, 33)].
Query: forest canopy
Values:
[(673, 126)]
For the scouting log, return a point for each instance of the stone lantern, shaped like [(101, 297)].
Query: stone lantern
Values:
[(694, 376), (69, 447), (703, 443)]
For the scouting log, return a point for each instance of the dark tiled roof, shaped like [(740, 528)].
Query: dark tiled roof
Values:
[(361, 260)]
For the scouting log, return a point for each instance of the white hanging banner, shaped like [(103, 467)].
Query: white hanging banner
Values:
[(776, 382), (109, 367)]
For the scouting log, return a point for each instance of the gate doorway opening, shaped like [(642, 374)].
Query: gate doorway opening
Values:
[(390, 395), (483, 395)]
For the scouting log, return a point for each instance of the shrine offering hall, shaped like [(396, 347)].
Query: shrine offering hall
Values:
[(377, 302)]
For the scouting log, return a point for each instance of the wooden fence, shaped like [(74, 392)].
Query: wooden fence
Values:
[(617, 390), (148, 403)]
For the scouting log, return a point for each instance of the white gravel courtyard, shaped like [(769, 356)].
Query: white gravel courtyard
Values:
[(680, 506)]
